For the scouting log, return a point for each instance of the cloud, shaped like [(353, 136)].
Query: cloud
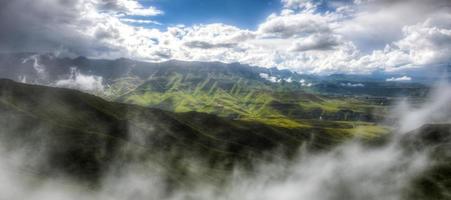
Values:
[(37, 66), (269, 78), (304, 83), (428, 42), (294, 25), (299, 4), (74, 27), (216, 34), (402, 78), (435, 109), (315, 42), (301, 37), (38, 26), (77, 80), (127, 7), (369, 18)]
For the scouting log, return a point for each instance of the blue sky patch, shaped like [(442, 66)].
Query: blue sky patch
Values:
[(244, 13)]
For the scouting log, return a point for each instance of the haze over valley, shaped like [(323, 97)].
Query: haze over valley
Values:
[(272, 100)]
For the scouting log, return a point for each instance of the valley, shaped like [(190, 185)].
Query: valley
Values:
[(90, 140), (225, 100), (274, 97)]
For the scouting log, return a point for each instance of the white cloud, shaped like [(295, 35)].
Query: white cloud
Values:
[(264, 75), (79, 27), (353, 38), (427, 42), (294, 25), (368, 19), (402, 78), (315, 42), (211, 36), (127, 7), (299, 4), (306, 42), (435, 109), (309, 42), (269, 77), (304, 83), (82, 82), (37, 66)]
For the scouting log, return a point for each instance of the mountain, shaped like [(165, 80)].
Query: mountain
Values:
[(236, 91), (372, 88), (49, 68), (122, 75), (82, 136), (247, 98), (434, 183)]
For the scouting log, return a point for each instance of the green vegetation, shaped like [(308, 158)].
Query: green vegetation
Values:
[(254, 99), (197, 124), (235, 91), (82, 135)]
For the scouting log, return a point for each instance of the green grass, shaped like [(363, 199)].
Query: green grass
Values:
[(250, 100)]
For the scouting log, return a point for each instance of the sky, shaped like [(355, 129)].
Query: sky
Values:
[(307, 36), (243, 14)]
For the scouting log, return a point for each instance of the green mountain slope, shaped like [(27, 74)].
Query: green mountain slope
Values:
[(235, 91), (83, 135), (435, 181), (253, 98)]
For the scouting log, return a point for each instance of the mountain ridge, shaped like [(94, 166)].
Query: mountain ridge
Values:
[(57, 118)]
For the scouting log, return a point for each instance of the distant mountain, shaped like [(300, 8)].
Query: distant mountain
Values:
[(236, 91), (121, 75), (49, 68)]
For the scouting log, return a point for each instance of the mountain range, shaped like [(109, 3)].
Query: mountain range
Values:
[(200, 123), (343, 103), (83, 137)]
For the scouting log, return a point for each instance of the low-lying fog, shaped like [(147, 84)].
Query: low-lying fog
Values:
[(350, 171)]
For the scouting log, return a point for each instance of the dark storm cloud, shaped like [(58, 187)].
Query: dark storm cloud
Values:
[(43, 26)]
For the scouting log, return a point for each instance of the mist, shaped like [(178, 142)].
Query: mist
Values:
[(225, 100), (80, 81), (353, 170), (435, 109)]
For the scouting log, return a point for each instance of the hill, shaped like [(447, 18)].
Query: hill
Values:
[(271, 96), (77, 135), (82, 135), (434, 183)]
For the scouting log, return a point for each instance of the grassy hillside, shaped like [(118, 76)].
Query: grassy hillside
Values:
[(282, 104), (83, 136), (435, 182), (337, 103)]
